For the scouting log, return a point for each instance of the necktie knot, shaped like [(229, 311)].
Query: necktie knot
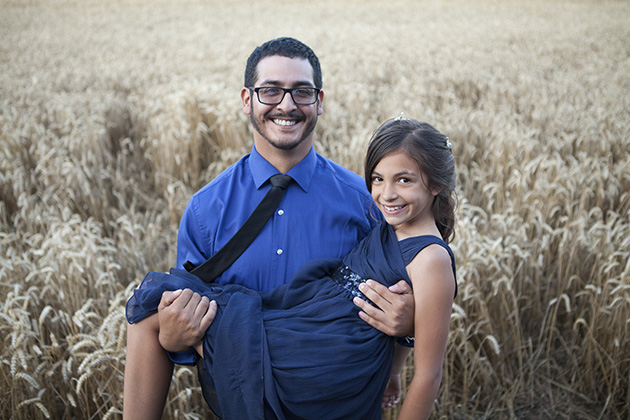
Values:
[(281, 181)]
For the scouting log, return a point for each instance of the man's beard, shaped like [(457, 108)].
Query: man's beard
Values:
[(277, 144)]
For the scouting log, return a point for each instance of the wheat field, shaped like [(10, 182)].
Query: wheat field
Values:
[(112, 113)]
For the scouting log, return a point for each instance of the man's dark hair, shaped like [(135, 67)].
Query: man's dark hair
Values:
[(284, 47)]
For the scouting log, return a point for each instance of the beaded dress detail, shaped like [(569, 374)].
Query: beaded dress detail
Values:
[(350, 281)]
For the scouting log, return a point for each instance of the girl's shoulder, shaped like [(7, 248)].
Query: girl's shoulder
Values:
[(429, 254), (410, 247)]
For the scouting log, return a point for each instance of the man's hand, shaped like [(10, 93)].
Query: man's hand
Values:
[(397, 306), (184, 317)]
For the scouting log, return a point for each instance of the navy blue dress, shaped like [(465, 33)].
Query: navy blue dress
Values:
[(300, 351)]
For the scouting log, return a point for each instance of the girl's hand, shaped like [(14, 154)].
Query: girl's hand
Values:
[(393, 392)]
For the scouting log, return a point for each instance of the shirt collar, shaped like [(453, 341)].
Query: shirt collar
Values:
[(302, 173)]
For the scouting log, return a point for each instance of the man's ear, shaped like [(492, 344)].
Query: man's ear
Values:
[(320, 103), (246, 98)]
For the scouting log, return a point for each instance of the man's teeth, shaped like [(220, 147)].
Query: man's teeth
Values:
[(285, 122), (388, 208)]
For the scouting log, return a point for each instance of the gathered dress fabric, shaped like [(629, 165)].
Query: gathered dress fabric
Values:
[(300, 351)]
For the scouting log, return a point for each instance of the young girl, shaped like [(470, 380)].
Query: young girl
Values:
[(301, 351)]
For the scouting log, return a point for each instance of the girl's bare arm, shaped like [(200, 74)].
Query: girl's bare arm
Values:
[(434, 285)]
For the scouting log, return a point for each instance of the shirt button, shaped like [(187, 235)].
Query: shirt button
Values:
[(279, 251), (280, 212)]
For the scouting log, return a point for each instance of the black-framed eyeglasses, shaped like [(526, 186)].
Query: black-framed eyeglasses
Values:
[(272, 95)]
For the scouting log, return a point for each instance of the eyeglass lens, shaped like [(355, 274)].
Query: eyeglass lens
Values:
[(275, 95)]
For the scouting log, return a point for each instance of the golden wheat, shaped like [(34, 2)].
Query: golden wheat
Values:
[(112, 114)]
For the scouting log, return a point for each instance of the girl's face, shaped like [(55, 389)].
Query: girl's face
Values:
[(399, 191)]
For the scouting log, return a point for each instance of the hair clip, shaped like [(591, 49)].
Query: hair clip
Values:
[(448, 143), (400, 117)]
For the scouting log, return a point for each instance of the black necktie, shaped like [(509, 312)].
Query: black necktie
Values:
[(242, 239)]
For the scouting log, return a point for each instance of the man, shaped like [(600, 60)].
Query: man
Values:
[(323, 214)]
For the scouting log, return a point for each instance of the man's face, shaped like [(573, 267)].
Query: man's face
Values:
[(285, 126)]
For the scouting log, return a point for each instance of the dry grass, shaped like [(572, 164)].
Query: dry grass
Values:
[(113, 113)]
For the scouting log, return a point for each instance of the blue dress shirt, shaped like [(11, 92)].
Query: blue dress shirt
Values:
[(323, 214)]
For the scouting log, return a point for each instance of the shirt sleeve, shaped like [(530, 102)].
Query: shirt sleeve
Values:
[(405, 341), (190, 236), (189, 357)]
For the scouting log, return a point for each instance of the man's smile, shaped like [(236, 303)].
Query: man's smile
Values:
[(284, 122)]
